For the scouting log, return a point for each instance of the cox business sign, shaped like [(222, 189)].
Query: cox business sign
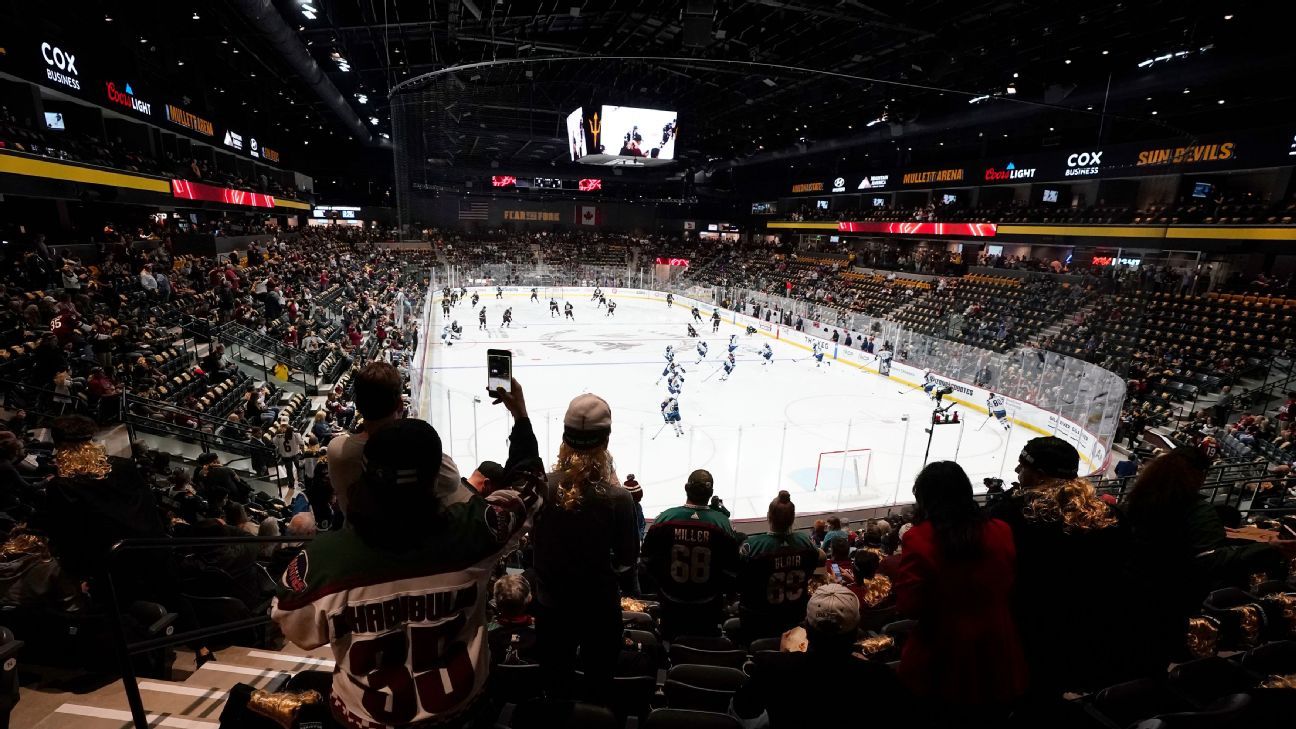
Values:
[(126, 97), (60, 66), (1009, 172), (1083, 164)]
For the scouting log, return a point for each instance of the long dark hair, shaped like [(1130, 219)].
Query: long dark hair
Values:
[(1166, 486), (944, 496)]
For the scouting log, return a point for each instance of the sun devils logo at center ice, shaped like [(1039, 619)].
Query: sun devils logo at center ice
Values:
[(1009, 172)]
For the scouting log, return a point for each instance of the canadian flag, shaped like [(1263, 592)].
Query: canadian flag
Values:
[(588, 215)]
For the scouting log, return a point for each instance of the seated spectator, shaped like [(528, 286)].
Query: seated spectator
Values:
[(838, 567), (215, 482), (512, 637), (956, 575), (236, 516), (873, 590), (780, 683), (690, 552), (834, 529), (774, 572), (420, 548), (586, 549)]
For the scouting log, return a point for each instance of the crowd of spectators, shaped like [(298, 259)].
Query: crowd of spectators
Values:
[(22, 135), (951, 611), (1219, 209)]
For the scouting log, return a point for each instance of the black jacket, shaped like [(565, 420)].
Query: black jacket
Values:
[(583, 555)]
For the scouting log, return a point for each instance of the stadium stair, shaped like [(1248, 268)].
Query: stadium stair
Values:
[(194, 703)]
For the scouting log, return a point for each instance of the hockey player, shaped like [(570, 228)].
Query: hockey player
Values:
[(597, 293), (729, 366), (481, 318), (475, 298), (553, 308), (702, 352), (768, 354), (508, 317), (819, 355), (750, 330), (675, 384), (456, 331), (534, 296), (603, 299), (733, 343), (995, 405), (445, 336), (454, 298), (499, 292), (611, 308), (715, 321), (697, 315), (463, 291), (691, 331), (671, 414), (670, 353), (445, 307), (929, 385), (670, 300), (567, 310)]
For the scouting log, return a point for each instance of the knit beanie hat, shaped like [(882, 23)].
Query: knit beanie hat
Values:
[(588, 423)]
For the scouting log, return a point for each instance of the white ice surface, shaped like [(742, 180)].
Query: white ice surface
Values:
[(740, 430)]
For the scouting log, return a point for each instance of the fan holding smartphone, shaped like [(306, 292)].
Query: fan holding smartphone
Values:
[(499, 370)]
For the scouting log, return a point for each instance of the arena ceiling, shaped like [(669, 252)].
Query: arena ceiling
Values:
[(910, 69)]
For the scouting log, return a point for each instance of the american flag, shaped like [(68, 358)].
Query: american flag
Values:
[(473, 210)]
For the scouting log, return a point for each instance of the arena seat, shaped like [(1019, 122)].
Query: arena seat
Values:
[(701, 687)]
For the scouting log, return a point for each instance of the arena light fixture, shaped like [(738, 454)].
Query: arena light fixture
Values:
[(976, 99), (363, 99), (308, 10)]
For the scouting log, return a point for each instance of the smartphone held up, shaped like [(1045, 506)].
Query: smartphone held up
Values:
[(499, 370)]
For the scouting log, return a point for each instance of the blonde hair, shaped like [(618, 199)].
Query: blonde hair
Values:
[(580, 472), (1070, 502), (512, 593)]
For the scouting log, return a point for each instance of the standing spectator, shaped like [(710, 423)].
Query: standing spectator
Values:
[(585, 544), (1223, 406), (148, 281), (415, 560), (691, 552), (773, 573), (378, 388), (94, 501), (636, 493), (1181, 550), (1060, 529), (288, 446), (955, 578)]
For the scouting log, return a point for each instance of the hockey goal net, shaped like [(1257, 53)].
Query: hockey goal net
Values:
[(847, 470)]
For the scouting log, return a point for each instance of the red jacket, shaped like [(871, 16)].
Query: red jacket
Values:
[(965, 649)]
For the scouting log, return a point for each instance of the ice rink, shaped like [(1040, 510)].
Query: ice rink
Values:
[(762, 430)]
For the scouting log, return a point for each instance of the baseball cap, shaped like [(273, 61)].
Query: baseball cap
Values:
[(833, 609), (588, 422), (493, 471), (1051, 456)]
